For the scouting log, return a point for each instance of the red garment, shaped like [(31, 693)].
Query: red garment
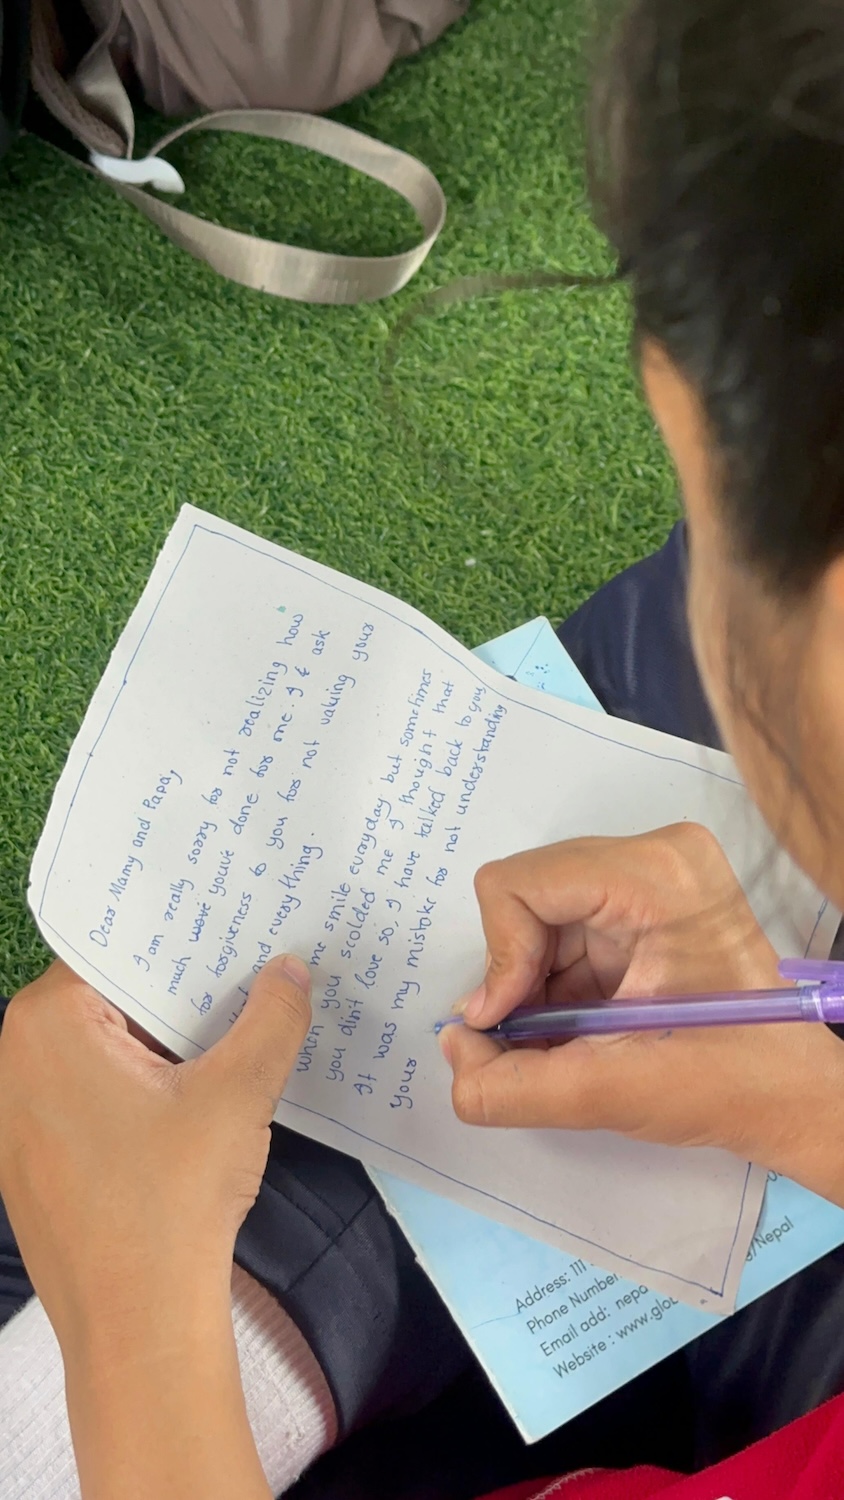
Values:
[(804, 1461)]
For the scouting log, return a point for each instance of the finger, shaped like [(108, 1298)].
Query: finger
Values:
[(68, 999), (59, 988), (493, 1086), (523, 901), (62, 985), (462, 1047), (579, 1086), (259, 1051)]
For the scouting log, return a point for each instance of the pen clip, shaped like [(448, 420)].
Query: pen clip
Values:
[(823, 971)]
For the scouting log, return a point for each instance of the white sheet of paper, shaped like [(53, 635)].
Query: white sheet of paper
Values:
[(280, 758)]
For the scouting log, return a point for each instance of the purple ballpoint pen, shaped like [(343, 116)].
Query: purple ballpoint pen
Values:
[(818, 996)]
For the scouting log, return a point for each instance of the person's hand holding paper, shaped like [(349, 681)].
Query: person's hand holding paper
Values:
[(81, 1096), (653, 914)]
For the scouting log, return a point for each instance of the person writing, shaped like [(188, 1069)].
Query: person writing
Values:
[(719, 171)]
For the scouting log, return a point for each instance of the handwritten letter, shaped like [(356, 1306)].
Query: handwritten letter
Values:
[(279, 758)]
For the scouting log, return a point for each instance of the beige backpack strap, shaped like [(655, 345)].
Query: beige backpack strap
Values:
[(96, 82), (287, 270), (94, 105)]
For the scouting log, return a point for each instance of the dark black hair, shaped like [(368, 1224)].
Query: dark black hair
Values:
[(718, 176)]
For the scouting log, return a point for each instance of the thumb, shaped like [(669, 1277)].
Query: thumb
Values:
[(526, 1087), (260, 1049)]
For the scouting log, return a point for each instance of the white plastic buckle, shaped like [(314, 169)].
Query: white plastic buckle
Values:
[(151, 171)]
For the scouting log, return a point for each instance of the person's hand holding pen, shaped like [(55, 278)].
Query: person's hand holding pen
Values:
[(650, 915)]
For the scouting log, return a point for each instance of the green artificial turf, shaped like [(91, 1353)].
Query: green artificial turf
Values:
[(520, 472)]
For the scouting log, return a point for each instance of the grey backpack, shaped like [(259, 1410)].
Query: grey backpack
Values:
[(260, 67)]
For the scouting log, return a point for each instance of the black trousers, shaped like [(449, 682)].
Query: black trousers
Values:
[(418, 1419)]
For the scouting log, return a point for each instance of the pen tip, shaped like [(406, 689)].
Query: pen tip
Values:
[(449, 1021)]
